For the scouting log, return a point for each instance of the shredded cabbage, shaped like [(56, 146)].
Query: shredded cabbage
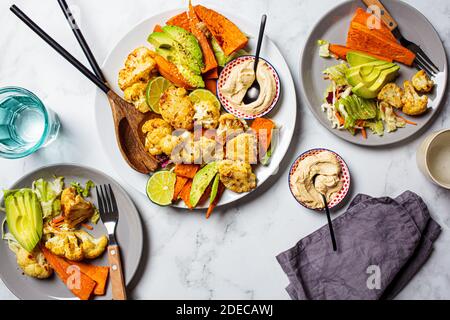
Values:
[(337, 74), (48, 193)]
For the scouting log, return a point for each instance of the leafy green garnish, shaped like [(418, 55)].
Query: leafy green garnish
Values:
[(48, 193), (86, 191), (337, 74)]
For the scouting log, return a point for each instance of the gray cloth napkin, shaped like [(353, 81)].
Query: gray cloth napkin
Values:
[(394, 237)]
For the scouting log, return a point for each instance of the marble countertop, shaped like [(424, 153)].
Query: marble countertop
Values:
[(231, 255)]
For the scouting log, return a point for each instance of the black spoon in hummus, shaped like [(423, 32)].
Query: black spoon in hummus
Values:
[(330, 225), (254, 90)]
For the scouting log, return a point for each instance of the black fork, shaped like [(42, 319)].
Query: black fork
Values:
[(422, 61), (109, 213)]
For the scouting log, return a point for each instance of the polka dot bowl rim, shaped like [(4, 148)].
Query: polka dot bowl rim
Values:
[(225, 103), (345, 174)]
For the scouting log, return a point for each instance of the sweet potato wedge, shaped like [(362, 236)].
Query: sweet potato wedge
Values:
[(209, 58), (97, 273), (185, 194), (170, 71), (157, 28), (180, 20), (362, 17), (341, 52), (186, 170), (363, 39), (62, 269), (211, 74), (211, 207), (179, 185), (211, 85), (228, 35), (263, 129)]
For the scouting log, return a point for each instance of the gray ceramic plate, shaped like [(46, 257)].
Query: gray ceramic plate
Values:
[(129, 236), (333, 27)]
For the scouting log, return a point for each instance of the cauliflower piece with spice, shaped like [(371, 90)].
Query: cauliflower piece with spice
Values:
[(136, 94), (207, 114), (391, 94), (158, 136), (177, 109), (230, 126), (422, 82), (74, 245), (413, 103), (75, 208), (139, 67), (33, 263), (237, 176), (243, 148)]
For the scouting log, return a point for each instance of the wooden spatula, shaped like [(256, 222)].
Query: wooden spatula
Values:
[(127, 120)]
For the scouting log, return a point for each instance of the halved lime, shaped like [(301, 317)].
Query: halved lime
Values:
[(204, 95), (161, 186), (155, 90)]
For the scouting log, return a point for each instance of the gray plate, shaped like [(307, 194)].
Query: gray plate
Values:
[(333, 27), (129, 236)]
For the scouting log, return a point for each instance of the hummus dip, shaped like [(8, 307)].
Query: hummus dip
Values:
[(316, 175), (239, 81)]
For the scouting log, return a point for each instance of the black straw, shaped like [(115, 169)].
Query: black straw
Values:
[(50, 41), (81, 40)]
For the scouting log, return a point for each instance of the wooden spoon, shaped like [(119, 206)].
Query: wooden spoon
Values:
[(127, 120)]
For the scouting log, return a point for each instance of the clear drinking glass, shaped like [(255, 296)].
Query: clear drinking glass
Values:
[(25, 123)]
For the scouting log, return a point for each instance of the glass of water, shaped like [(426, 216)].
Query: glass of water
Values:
[(25, 123)]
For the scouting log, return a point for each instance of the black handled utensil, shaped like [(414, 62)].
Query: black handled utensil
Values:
[(253, 92), (127, 120), (330, 224), (81, 40)]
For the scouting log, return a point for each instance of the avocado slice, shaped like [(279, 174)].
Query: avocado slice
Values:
[(371, 92), (356, 58), (201, 181), (24, 217), (188, 42), (182, 49), (366, 73)]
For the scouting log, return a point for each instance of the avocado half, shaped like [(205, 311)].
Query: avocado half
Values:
[(371, 91), (24, 217), (182, 49), (356, 58)]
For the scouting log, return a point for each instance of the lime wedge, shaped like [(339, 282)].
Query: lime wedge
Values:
[(161, 186), (155, 90), (204, 95)]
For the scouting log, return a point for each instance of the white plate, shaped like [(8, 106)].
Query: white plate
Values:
[(284, 114)]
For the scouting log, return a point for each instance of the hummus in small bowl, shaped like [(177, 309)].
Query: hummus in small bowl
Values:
[(237, 77), (319, 171)]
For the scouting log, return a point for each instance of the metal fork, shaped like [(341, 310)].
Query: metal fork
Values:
[(109, 213), (422, 61)]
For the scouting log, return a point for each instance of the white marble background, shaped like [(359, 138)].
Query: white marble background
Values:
[(232, 255)]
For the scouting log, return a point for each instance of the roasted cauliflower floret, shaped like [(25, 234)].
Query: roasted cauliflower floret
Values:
[(243, 148), (422, 82), (92, 247), (207, 150), (391, 120), (74, 245), (413, 103), (177, 109), (136, 94), (75, 208), (237, 176), (33, 263), (391, 94), (159, 132), (207, 114), (139, 67), (230, 126), (184, 151)]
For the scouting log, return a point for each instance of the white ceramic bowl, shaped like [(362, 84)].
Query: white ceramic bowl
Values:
[(433, 158)]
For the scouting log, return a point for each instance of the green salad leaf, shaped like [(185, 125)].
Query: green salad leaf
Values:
[(357, 108), (84, 191), (48, 193), (337, 74), (324, 48)]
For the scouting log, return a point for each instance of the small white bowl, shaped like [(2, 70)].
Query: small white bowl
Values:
[(224, 76), (433, 158)]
